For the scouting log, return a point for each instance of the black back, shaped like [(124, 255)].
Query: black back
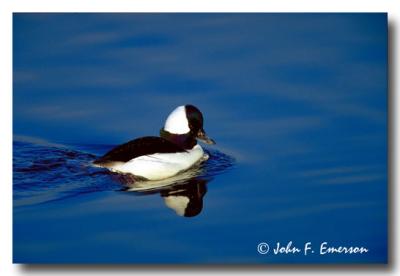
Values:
[(138, 147)]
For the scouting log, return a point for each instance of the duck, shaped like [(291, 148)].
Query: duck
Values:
[(160, 157)]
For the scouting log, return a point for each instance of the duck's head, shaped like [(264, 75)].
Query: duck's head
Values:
[(186, 120)]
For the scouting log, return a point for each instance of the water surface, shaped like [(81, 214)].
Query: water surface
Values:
[(297, 104)]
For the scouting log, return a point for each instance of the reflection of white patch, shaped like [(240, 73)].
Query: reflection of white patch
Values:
[(160, 165), (178, 203), (177, 122)]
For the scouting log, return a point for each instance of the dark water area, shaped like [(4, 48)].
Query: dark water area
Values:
[(297, 104)]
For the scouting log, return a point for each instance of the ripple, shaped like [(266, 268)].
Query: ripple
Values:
[(50, 172)]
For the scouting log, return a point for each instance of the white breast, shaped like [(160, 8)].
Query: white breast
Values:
[(160, 165)]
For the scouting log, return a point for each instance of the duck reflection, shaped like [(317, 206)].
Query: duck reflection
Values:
[(183, 194), (186, 199)]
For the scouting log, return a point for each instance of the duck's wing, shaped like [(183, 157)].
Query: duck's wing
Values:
[(138, 147)]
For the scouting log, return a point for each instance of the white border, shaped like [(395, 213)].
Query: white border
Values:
[(9, 6)]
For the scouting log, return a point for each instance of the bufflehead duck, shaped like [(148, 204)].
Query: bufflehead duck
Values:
[(156, 158)]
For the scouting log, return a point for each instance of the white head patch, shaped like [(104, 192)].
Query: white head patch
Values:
[(177, 122), (178, 203)]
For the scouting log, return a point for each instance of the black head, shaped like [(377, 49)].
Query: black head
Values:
[(195, 122)]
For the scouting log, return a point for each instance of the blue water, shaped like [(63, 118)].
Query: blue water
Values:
[(297, 104)]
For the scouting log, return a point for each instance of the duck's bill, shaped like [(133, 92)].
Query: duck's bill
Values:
[(203, 136)]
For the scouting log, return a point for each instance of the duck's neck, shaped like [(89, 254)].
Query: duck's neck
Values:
[(186, 141)]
